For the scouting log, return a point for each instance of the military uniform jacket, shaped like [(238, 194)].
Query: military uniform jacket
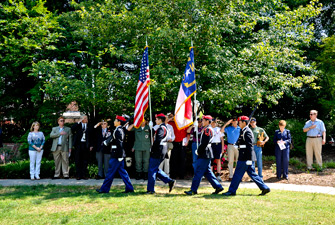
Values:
[(245, 144), (157, 150), (205, 148), (142, 138), (116, 143)]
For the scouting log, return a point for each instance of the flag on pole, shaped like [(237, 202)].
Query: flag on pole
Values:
[(141, 100), (183, 112)]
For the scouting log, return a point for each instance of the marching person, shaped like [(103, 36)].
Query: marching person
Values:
[(157, 155), (61, 148), (232, 132), (282, 141), (192, 130), (83, 145), (102, 152), (116, 163), (259, 141), (142, 149), (165, 165), (316, 137), (36, 142), (203, 163), (217, 147), (244, 163)]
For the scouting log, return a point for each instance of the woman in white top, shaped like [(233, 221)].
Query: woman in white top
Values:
[(36, 142), (217, 147)]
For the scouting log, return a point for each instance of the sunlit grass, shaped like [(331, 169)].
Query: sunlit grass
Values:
[(73, 205)]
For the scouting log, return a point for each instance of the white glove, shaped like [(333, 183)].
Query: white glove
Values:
[(151, 124), (105, 143), (120, 159), (196, 152), (249, 162), (196, 124)]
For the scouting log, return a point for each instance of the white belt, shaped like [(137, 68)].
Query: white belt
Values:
[(114, 147), (209, 145), (243, 146)]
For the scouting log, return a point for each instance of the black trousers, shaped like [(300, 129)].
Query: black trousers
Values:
[(81, 158), (178, 161)]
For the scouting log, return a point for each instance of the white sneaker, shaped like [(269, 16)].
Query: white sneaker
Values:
[(37, 177), (219, 178), (32, 178)]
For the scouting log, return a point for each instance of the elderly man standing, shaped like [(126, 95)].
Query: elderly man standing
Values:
[(61, 146), (316, 137)]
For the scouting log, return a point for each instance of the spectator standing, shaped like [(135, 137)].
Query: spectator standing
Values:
[(142, 149), (282, 141), (316, 137), (36, 142), (232, 132), (244, 163), (217, 147), (61, 148), (102, 152), (178, 153), (83, 145), (259, 141)]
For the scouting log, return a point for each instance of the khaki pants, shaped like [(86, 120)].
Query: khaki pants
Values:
[(232, 156), (61, 160), (313, 145)]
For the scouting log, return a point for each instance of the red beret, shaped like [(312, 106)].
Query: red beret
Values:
[(160, 115), (207, 117), (121, 118), (243, 118)]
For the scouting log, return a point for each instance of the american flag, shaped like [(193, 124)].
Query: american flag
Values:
[(142, 92)]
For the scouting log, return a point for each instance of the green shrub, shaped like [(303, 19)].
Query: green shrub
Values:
[(297, 164), (329, 164), (269, 158)]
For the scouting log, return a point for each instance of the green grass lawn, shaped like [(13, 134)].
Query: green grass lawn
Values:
[(80, 204)]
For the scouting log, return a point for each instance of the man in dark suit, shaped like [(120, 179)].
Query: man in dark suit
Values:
[(244, 163), (83, 145), (102, 152)]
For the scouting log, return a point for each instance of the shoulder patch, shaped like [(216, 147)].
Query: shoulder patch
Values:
[(208, 132)]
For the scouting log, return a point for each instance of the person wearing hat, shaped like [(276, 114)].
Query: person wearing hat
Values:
[(157, 155), (232, 132), (102, 152), (116, 163), (142, 149), (244, 163), (259, 141), (217, 147), (203, 164), (192, 130)]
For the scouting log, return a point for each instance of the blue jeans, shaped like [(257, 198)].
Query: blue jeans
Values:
[(258, 152), (154, 171), (203, 168), (241, 168), (194, 156), (116, 166)]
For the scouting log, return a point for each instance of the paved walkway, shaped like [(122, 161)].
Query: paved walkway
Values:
[(180, 183)]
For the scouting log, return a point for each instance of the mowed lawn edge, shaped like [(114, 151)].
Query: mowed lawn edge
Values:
[(53, 204)]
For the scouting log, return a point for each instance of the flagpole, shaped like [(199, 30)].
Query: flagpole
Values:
[(196, 125), (150, 122)]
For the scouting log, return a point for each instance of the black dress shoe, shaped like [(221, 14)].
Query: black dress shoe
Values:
[(138, 176), (55, 178), (228, 194), (100, 191), (85, 178), (125, 192), (145, 176), (171, 185), (265, 191), (66, 178), (98, 177), (150, 192), (190, 192), (78, 178), (217, 191)]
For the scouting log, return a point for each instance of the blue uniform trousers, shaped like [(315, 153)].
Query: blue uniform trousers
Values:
[(154, 171), (282, 159), (194, 156), (116, 166), (241, 168), (258, 153), (203, 168)]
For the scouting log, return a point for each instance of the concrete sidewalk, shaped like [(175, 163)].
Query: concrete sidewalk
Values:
[(180, 183)]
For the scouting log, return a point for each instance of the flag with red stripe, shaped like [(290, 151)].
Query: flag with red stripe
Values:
[(142, 92)]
